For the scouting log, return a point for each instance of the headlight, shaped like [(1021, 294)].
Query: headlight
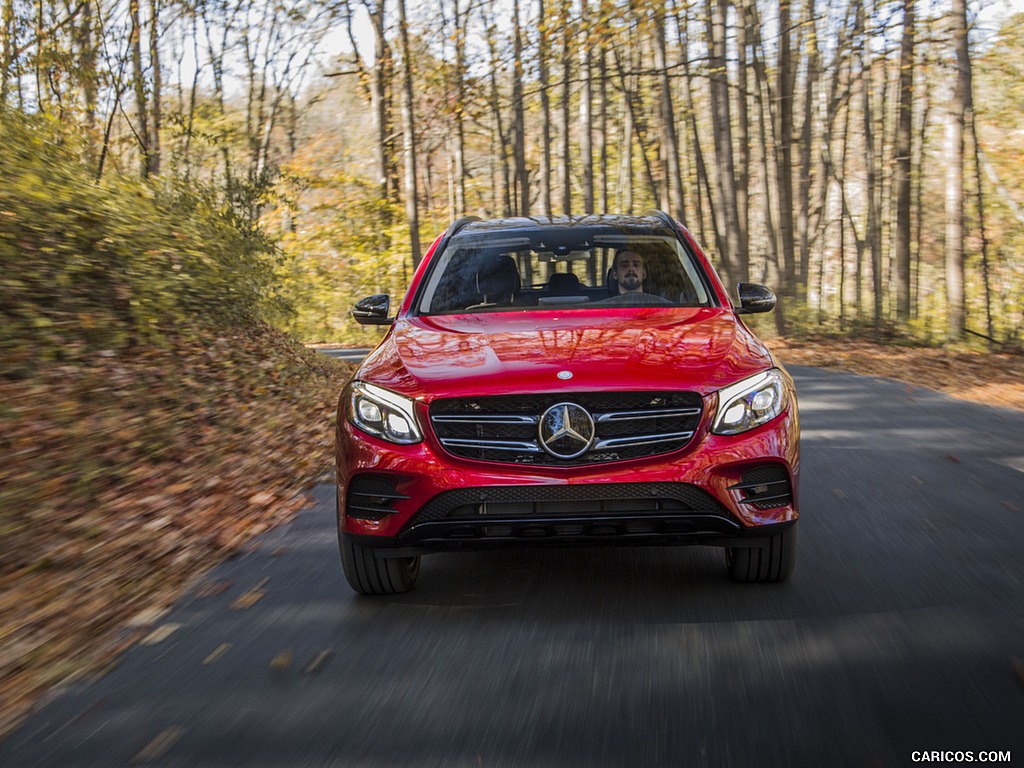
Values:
[(383, 414), (750, 403)]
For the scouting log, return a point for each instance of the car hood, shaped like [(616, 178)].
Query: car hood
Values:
[(698, 350)]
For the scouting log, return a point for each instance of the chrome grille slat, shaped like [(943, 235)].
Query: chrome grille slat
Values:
[(631, 415), (491, 445), (504, 428), (619, 442), (510, 418)]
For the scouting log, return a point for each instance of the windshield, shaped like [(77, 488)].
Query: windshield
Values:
[(506, 272)]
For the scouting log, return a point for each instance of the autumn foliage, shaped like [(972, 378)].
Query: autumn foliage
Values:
[(150, 421)]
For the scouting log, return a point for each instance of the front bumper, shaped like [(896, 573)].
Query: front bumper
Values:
[(719, 490)]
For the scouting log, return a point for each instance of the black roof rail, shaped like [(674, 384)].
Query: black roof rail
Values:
[(665, 218), (459, 224)]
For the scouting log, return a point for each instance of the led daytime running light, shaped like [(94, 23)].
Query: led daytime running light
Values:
[(750, 403), (383, 414)]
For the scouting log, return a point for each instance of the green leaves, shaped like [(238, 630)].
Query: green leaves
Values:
[(90, 266)]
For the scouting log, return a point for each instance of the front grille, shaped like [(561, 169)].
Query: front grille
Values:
[(628, 425), (581, 513), (766, 487), (370, 497)]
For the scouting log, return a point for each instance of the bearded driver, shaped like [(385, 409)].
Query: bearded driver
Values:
[(629, 271)]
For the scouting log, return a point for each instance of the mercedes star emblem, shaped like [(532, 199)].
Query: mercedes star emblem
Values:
[(566, 430)]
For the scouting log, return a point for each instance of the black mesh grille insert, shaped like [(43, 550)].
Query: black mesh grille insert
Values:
[(766, 487), (628, 425), (370, 497), (646, 512), (592, 499)]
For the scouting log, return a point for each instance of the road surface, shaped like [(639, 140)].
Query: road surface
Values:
[(901, 631)]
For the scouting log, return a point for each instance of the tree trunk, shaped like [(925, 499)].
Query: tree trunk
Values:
[(702, 184), (586, 120), (873, 232), (806, 148), (625, 195), (501, 136), (631, 87), (141, 105), (378, 97), (412, 215), (459, 90), (743, 142), (544, 173), (920, 148), (88, 75), (669, 139), (565, 162), (837, 104), (41, 6), (734, 270), (7, 49), (156, 113), (903, 152), (519, 122), (784, 149), (959, 105), (982, 232), (602, 130)]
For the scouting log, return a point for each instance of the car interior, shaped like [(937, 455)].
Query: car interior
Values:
[(480, 278)]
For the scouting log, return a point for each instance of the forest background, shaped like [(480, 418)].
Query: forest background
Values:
[(860, 157), (189, 186)]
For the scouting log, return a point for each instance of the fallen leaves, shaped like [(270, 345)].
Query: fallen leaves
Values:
[(250, 597), (217, 652), (991, 379), (282, 662), (214, 588), (127, 475), (159, 746), (318, 663), (160, 634)]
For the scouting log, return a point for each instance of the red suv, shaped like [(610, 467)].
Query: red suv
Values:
[(580, 380)]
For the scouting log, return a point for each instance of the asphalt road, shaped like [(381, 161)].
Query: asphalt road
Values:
[(897, 633), (348, 354)]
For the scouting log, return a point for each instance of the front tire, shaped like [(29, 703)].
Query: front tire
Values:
[(368, 574), (773, 561)]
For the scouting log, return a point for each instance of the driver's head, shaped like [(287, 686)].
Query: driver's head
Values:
[(629, 271)]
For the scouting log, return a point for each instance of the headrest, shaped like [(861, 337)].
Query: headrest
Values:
[(497, 275), (564, 284)]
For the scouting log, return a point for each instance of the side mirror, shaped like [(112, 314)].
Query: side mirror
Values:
[(373, 310), (755, 297)]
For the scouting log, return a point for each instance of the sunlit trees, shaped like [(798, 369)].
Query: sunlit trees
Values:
[(805, 143)]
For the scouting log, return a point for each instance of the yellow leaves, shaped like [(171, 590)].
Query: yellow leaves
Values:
[(160, 634), (217, 652), (318, 662), (159, 746), (282, 662), (250, 598), (148, 616), (214, 589)]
